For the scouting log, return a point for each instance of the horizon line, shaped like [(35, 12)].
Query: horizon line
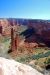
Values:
[(23, 18)]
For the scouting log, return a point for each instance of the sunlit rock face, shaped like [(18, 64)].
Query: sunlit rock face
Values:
[(11, 67)]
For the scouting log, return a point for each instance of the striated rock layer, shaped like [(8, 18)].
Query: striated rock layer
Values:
[(11, 67)]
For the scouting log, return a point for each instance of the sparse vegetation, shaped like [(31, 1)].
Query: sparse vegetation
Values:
[(47, 61), (41, 55), (24, 59)]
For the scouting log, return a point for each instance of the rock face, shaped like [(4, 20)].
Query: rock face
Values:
[(41, 27), (11, 67)]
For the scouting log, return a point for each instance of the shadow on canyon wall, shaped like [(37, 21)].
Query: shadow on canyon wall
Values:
[(31, 36)]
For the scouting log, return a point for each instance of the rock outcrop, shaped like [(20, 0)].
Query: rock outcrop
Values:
[(11, 67)]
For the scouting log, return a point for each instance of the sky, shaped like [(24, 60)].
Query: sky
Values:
[(32, 9)]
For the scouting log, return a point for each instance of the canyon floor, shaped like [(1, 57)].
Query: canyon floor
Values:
[(38, 58)]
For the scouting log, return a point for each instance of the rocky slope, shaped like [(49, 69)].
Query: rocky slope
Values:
[(11, 67)]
